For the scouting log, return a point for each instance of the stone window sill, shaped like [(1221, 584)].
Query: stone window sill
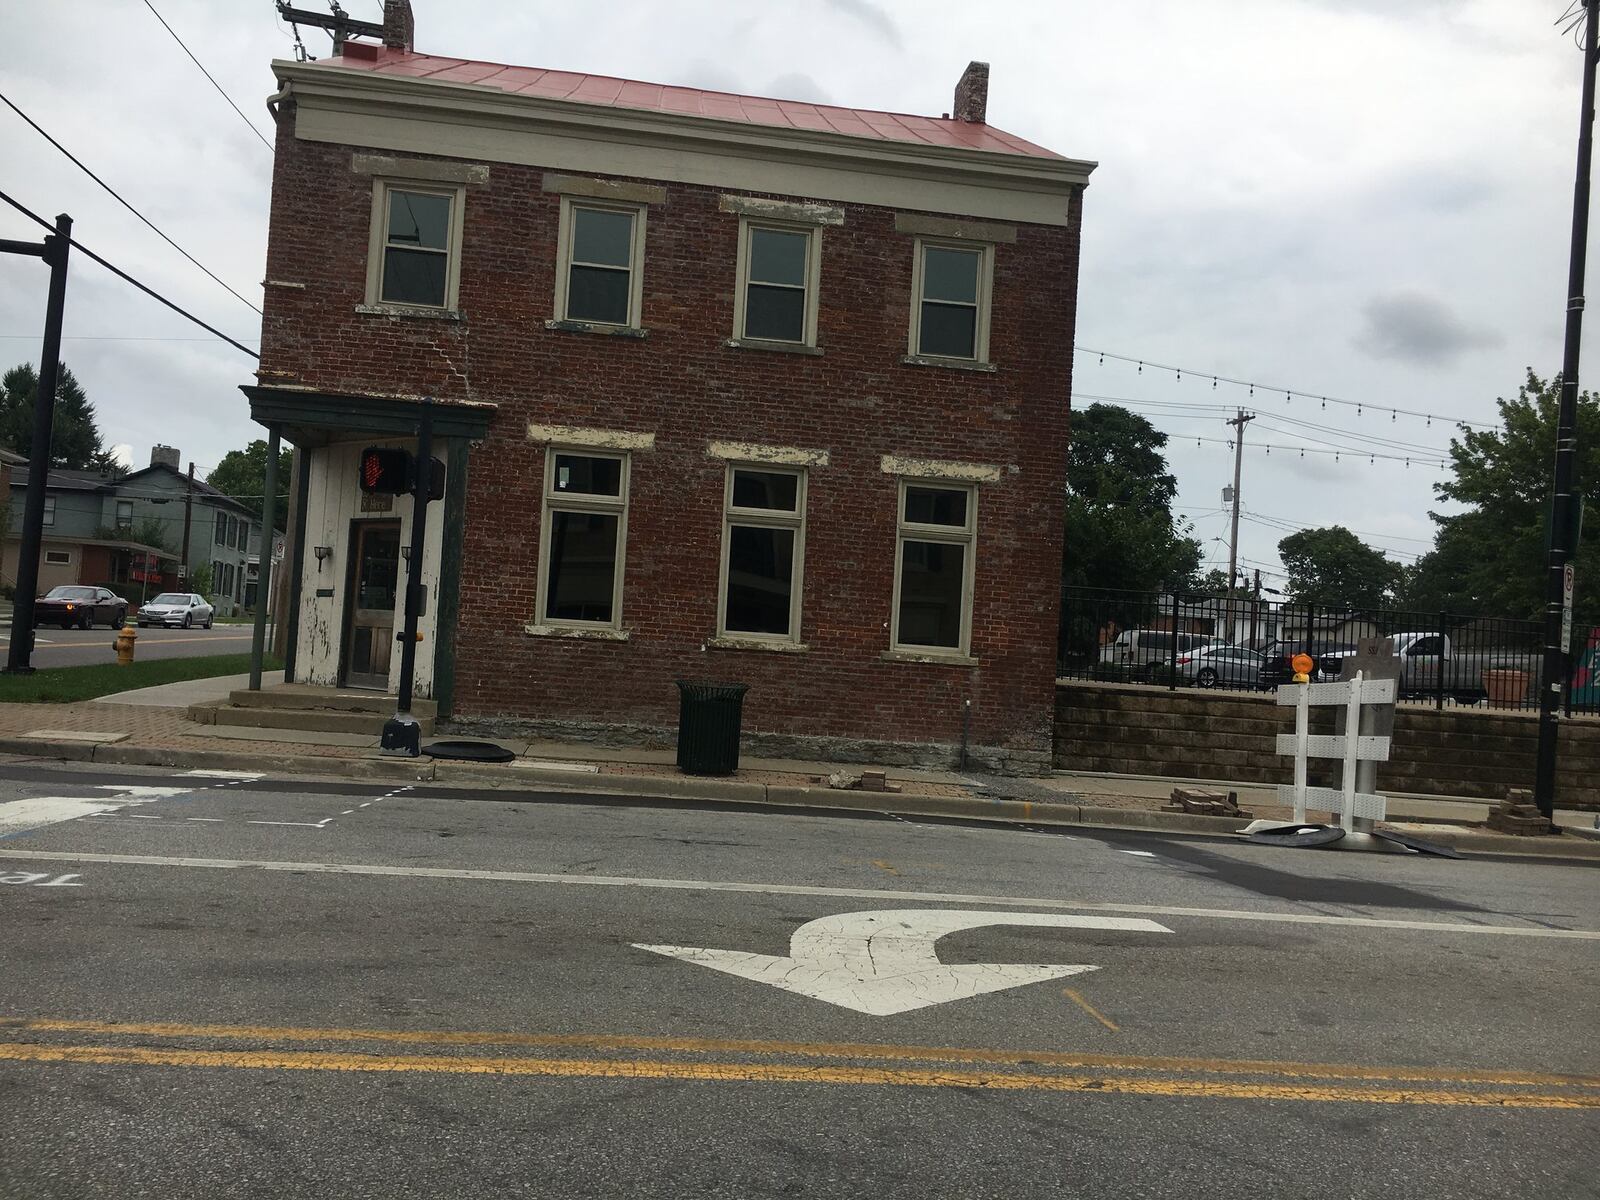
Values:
[(407, 310), (575, 634), (622, 331), (774, 347), (728, 642), (951, 659), (954, 364)]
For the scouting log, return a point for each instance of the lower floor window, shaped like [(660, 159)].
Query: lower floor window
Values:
[(763, 545), (933, 567), (584, 530)]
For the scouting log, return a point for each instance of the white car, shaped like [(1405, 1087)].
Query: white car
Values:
[(180, 609)]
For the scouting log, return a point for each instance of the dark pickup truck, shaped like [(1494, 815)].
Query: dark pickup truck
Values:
[(77, 606)]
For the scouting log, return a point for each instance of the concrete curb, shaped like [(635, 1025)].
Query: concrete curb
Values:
[(451, 774)]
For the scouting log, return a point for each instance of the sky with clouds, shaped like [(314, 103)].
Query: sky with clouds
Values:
[(1367, 200)]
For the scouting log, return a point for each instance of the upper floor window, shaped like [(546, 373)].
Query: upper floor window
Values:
[(950, 300), (49, 510), (599, 279), (124, 514), (778, 274), (416, 245)]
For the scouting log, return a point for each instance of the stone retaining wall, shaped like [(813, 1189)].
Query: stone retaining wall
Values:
[(1136, 730)]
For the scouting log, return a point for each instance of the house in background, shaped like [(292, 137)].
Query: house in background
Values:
[(127, 533), (726, 387)]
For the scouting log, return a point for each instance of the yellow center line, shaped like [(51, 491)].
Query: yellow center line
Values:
[(870, 1051), (285, 1060), (1077, 998)]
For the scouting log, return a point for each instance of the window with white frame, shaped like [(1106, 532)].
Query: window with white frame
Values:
[(124, 514), (600, 276), (950, 300), (779, 270), (933, 573), (415, 249), (763, 549), (58, 558), (49, 510), (583, 531)]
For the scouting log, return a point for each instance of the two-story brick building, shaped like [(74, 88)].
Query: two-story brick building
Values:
[(727, 388)]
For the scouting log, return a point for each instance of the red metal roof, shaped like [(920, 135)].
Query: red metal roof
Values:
[(687, 101)]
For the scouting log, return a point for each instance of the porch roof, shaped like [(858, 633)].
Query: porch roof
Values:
[(316, 418)]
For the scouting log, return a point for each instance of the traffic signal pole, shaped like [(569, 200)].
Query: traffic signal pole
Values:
[(401, 733), (19, 657), (1558, 616)]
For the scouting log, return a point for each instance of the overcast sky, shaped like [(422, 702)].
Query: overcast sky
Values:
[(1364, 199)]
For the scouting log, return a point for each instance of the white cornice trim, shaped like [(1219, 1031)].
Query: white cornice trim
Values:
[(677, 144)]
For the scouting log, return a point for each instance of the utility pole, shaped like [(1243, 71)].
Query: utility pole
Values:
[(188, 513), (1238, 422), (1559, 578), (339, 24), (54, 251)]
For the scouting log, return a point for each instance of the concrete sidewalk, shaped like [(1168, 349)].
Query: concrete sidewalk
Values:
[(149, 728)]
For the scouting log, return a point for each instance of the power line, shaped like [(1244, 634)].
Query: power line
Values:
[(29, 337), (207, 74), (77, 162), (123, 275), (1268, 390)]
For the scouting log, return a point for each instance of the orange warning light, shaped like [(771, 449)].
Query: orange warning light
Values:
[(1302, 664)]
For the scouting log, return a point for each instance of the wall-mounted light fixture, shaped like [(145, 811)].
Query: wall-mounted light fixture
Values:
[(405, 553), (323, 553)]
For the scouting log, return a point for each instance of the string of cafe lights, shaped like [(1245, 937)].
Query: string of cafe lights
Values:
[(1258, 392)]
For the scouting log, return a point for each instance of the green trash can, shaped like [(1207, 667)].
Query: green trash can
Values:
[(708, 726)]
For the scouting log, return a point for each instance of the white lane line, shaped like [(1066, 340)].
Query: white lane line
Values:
[(1137, 853), (203, 819), (789, 889), (296, 824), (37, 812), (203, 774)]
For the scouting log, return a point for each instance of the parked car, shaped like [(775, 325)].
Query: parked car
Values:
[(1276, 669), (1139, 650), (76, 605), (1430, 664), (181, 609), (1221, 666)]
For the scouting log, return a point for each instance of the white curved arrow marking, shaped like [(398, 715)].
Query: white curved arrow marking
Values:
[(883, 962)]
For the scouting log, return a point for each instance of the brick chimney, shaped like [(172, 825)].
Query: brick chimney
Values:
[(972, 94), (399, 27)]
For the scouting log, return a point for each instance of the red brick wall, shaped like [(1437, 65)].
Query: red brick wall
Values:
[(857, 401)]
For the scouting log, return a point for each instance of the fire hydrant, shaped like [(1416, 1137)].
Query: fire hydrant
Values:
[(124, 645)]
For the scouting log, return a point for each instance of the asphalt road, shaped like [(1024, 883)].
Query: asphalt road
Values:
[(243, 987), (84, 647)]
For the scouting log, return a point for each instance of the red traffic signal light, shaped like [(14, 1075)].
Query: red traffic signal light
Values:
[(385, 470)]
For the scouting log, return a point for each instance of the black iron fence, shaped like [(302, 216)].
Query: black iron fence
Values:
[(1243, 643)]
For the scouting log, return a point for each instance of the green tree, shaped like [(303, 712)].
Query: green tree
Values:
[(200, 580), (1489, 560), (75, 441), (1334, 566), (1120, 530), (242, 474)]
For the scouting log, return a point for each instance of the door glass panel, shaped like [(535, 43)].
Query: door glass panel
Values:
[(379, 570)]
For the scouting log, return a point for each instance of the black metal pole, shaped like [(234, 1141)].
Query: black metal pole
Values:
[(20, 654), (401, 733), (269, 516), (419, 526), (1561, 500)]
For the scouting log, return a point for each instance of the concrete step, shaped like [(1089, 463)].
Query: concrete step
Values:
[(297, 697), (309, 720)]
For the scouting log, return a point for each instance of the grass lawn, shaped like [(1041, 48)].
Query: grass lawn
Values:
[(62, 685)]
